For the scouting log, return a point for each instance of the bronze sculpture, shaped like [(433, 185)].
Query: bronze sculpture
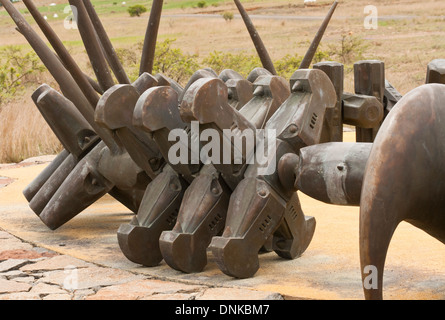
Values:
[(234, 209)]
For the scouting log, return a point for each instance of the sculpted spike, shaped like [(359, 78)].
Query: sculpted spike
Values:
[(309, 56), (259, 45), (151, 35)]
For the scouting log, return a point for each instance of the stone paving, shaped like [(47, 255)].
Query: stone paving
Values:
[(28, 272)]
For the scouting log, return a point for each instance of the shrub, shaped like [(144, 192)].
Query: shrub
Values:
[(128, 57), (173, 63), (169, 61), (351, 48), (136, 10), (287, 65), (202, 4), (17, 68), (242, 62), (228, 16), (321, 55), (23, 131)]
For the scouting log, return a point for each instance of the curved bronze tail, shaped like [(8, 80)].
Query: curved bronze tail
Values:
[(404, 180)]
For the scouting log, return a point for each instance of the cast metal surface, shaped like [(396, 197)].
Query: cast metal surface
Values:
[(331, 172), (362, 111), (256, 39), (436, 71), (260, 206), (84, 82), (333, 121), (157, 113), (203, 211), (309, 56), (390, 98), (110, 53), (403, 180), (92, 45), (151, 35), (369, 79)]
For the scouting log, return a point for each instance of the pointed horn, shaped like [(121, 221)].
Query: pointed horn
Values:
[(92, 45), (84, 83), (110, 53), (259, 45), (151, 35), (307, 60)]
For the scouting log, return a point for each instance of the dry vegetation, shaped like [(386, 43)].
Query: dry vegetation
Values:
[(410, 34), (24, 133)]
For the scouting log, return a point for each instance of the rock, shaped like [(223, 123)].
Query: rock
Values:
[(171, 296), (238, 294), (45, 289), (20, 296), (38, 275), (13, 243), (28, 279), (12, 264), (64, 296), (87, 278), (59, 262), (24, 254), (144, 289), (5, 235), (45, 252), (13, 274), (82, 294), (10, 286)]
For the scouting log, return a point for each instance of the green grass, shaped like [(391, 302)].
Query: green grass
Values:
[(102, 7), (105, 7), (115, 6), (112, 7), (181, 4)]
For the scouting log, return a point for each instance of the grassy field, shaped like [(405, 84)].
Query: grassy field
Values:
[(410, 34)]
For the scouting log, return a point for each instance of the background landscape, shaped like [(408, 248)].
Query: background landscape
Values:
[(195, 34)]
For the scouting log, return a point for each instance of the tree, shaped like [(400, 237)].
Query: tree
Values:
[(228, 16), (136, 10), (16, 69)]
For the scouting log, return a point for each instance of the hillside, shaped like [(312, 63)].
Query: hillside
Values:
[(409, 35)]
